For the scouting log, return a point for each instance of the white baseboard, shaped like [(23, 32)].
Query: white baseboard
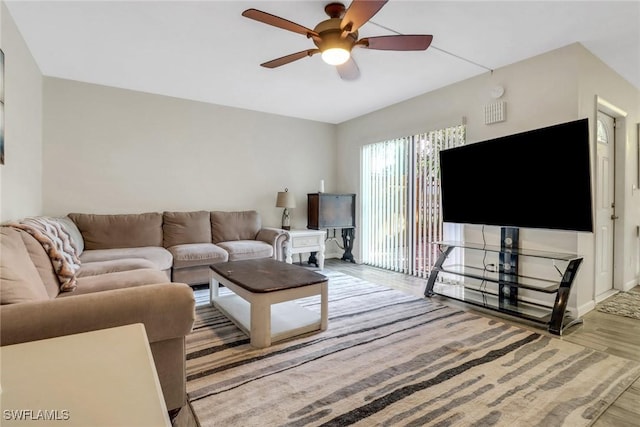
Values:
[(584, 309), (605, 295), (331, 255), (630, 285)]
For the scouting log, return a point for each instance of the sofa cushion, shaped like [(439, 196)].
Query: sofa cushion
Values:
[(117, 280), (198, 275), (179, 228), (119, 231), (71, 228), (197, 254), (229, 226), (247, 249), (19, 278), (112, 266), (161, 257), (43, 264)]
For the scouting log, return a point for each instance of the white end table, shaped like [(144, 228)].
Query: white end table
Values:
[(305, 241), (99, 378)]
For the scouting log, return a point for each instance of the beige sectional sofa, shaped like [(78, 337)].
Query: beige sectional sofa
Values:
[(126, 267), (108, 294), (182, 244)]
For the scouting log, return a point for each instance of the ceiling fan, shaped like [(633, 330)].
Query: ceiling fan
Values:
[(337, 36)]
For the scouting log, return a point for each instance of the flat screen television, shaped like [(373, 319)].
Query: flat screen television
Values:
[(535, 179)]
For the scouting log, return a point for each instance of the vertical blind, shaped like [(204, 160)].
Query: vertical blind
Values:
[(401, 212)]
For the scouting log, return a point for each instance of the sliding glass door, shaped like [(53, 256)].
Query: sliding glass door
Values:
[(401, 213)]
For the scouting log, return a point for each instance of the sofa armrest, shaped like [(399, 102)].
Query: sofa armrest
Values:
[(166, 310), (276, 238)]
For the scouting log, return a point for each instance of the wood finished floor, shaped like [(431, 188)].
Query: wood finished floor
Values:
[(616, 335)]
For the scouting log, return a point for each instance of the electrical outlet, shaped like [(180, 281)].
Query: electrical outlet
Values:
[(493, 268)]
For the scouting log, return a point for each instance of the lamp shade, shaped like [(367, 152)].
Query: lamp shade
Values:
[(285, 200)]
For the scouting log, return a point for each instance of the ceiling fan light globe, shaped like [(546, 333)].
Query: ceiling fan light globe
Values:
[(335, 56)]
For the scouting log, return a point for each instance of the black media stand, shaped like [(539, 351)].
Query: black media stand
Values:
[(496, 287)]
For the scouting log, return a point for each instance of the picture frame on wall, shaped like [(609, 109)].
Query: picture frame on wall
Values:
[(1, 107)]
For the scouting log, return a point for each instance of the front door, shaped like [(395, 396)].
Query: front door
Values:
[(605, 204)]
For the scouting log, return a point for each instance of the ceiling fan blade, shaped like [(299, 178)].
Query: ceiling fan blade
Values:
[(290, 58), (276, 21), (349, 70), (400, 42), (359, 12)]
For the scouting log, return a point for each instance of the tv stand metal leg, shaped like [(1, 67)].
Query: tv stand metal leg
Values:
[(562, 298), (428, 292)]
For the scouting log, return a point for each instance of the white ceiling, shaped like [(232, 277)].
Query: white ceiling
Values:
[(206, 51)]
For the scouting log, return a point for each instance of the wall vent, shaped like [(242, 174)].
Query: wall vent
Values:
[(495, 112)]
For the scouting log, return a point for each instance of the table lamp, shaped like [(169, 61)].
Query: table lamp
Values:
[(287, 201)]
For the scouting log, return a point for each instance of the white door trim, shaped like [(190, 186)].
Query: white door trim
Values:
[(620, 115), (607, 107), (604, 204)]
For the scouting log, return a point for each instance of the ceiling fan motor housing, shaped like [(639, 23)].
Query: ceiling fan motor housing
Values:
[(331, 35), (334, 10)]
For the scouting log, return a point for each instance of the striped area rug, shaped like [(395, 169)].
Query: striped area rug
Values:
[(389, 359)]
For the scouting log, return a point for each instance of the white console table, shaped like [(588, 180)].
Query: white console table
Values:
[(99, 378), (305, 241)]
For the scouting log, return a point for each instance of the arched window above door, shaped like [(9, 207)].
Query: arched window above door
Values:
[(603, 135)]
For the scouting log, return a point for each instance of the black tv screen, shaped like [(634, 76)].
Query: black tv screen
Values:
[(535, 179)]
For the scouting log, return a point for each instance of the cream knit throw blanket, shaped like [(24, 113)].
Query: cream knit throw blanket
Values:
[(57, 244)]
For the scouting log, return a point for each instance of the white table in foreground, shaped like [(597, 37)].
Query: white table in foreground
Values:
[(305, 241), (99, 378), (261, 304)]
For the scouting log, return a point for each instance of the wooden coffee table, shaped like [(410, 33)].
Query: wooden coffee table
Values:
[(261, 304)]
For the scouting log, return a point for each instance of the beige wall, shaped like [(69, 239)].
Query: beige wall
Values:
[(599, 82), (110, 150), (555, 87), (538, 92), (21, 175)]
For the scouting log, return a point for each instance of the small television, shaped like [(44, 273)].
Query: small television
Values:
[(535, 179), (327, 210)]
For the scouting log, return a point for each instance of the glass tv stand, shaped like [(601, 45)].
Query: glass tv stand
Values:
[(500, 287)]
